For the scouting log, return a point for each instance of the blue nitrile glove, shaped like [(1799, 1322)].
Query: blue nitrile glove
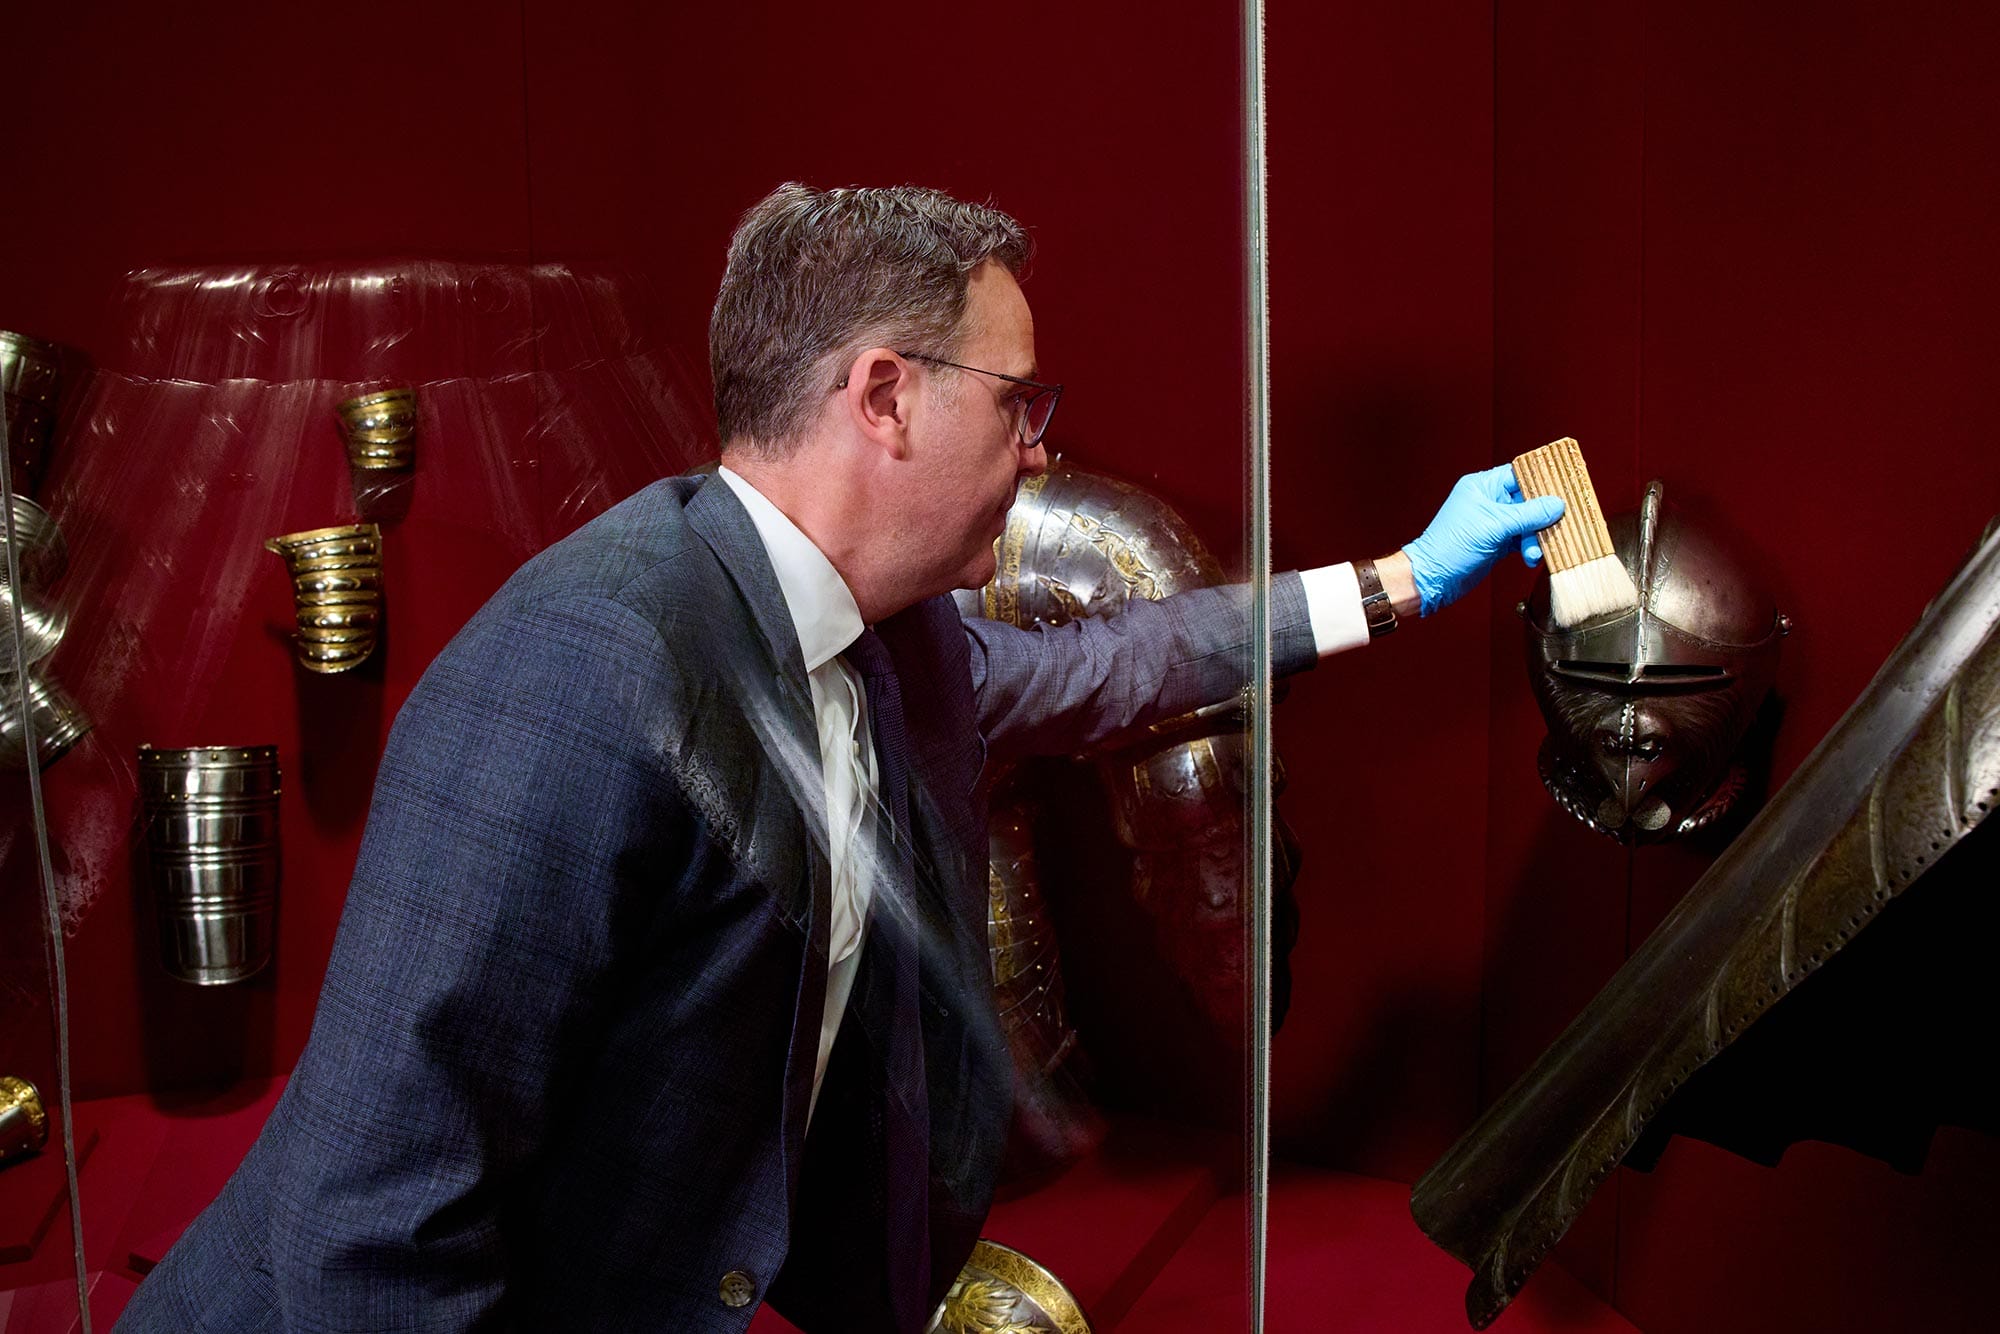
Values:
[(1481, 519)]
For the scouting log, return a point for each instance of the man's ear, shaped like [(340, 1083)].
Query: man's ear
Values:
[(880, 393)]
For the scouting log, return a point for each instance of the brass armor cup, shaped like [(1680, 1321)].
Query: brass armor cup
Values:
[(381, 430), (337, 582), (211, 817), (24, 1125)]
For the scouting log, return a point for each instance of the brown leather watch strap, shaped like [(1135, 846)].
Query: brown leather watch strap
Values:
[(1375, 604)]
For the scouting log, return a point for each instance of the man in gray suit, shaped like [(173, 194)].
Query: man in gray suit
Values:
[(661, 988)]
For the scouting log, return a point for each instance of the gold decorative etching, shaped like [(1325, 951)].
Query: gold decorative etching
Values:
[(1001, 1291), (1002, 595), (1125, 559), (24, 1122)]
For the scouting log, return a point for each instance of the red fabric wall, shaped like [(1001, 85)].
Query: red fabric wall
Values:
[(634, 134), (154, 137), (1746, 250), (1748, 254), (1381, 243)]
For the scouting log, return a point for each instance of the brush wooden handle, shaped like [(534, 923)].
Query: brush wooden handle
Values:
[(1581, 535)]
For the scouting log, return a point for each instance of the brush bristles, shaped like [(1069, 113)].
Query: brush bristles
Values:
[(1594, 588), (1586, 578)]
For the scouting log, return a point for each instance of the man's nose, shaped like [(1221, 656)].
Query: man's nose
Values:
[(1034, 460)]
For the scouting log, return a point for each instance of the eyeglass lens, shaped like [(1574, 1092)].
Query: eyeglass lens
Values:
[(1035, 414)]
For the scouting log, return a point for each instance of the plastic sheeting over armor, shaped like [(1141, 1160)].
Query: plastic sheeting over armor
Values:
[(210, 427)]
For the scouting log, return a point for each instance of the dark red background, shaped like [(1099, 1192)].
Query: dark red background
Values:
[(1747, 253)]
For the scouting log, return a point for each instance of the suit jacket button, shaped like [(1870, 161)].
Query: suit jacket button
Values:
[(737, 1288)]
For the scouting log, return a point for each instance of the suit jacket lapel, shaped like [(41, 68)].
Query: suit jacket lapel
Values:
[(715, 514), (719, 517)]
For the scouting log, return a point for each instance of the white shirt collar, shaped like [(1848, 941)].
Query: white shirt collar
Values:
[(823, 609)]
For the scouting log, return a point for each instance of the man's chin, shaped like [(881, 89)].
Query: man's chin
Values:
[(979, 572)]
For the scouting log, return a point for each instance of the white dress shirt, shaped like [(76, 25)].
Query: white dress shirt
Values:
[(1333, 604), (827, 620)]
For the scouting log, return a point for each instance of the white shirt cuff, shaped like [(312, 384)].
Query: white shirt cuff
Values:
[(1333, 602)]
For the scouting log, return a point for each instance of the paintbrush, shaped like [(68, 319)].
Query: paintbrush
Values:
[(1586, 578)]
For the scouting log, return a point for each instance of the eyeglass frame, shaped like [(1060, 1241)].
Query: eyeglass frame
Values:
[(1052, 389)]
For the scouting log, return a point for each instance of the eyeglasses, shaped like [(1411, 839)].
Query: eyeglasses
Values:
[(1032, 412)]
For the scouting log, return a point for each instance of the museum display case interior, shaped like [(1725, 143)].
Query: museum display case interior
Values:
[(313, 344)]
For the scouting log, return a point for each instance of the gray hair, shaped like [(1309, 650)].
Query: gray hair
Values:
[(816, 276)]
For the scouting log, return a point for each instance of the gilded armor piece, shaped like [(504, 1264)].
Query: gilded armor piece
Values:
[(1081, 544), (1001, 1291), (24, 1122), (1905, 775), (381, 430), (1179, 809), (1646, 709), (337, 586), (1027, 971), (1053, 1119), (211, 820)]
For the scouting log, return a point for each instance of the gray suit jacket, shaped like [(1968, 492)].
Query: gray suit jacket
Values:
[(561, 1065)]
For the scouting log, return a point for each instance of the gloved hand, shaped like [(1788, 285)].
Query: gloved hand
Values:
[(1482, 517)]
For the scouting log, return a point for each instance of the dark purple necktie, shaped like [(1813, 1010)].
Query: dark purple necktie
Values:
[(893, 942)]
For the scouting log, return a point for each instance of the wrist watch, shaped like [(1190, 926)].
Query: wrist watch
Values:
[(1375, 603)]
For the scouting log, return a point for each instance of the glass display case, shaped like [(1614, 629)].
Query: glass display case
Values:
[(300, 462), (318, 343)]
